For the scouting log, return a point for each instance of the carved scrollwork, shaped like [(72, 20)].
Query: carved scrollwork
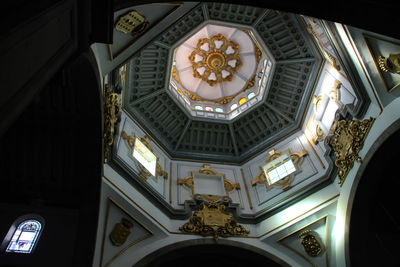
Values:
[(112, 108), (212, 220), (391, 63), (347, 141)]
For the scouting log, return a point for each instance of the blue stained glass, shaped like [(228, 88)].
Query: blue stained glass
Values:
[(24, 237)]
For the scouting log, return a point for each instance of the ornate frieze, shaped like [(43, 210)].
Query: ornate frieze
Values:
[(213, 220), (347, 141)]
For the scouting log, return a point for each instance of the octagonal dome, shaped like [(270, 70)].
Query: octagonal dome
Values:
[(219, 72), (184, 132)]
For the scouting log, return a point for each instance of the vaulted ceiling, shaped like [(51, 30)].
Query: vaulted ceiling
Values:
[(280, 113)]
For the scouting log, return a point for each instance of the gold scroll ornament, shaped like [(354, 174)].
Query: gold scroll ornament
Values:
[(310, 243), (111, 110), (228, 184), (285, 182), (348, 139), (144, 173), (121, 232), (212, 220)]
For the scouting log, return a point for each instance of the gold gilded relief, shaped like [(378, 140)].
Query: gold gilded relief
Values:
[(120, 232), (310, 243), (206, 169), (144, 173), (347, 141), (285, 182), (112, 107), (391, 63), (215, 60), (131, 23), (212, 220)]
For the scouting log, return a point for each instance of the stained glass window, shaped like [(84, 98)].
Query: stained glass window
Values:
[(242, 101), (24, 237), (279, 168), (251, 95)]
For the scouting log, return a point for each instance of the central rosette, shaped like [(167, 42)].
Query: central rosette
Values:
[(215, 59)]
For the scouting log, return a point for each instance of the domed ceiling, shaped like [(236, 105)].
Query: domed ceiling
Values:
[(223, 82)]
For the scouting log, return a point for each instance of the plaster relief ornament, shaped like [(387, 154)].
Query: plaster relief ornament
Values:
[(212, 220), (121, 232), (215, 59), (348, 139), (310, 243), (391, 63), (132, 23)]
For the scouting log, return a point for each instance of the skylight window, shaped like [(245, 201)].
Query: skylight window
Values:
[(24, 237), (279, 168), (145, 156)]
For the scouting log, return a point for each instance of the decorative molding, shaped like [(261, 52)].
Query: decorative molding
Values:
[(112, 107), (228, 184), (212, 220), (144, 173), (285, 182), (347, 141), (246, 188)]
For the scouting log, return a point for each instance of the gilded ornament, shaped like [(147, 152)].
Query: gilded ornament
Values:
[(112, 108), (323, 48), (144, 173), (206, 169), (120, 232), (212, 220), (285, 182), (347, 141), (215, 60), (131, 23), (310, 243), (391, 63), (319, 135)]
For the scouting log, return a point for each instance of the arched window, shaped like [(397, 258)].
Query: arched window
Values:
[(25, 237), (24, 234)]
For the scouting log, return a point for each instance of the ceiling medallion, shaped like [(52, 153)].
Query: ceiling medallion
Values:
[(215, 59)]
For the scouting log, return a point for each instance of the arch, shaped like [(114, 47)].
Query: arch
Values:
[(373, 220), (24, 234), (208, 252)]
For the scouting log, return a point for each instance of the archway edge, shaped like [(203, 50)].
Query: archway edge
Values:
[(202, 242)]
